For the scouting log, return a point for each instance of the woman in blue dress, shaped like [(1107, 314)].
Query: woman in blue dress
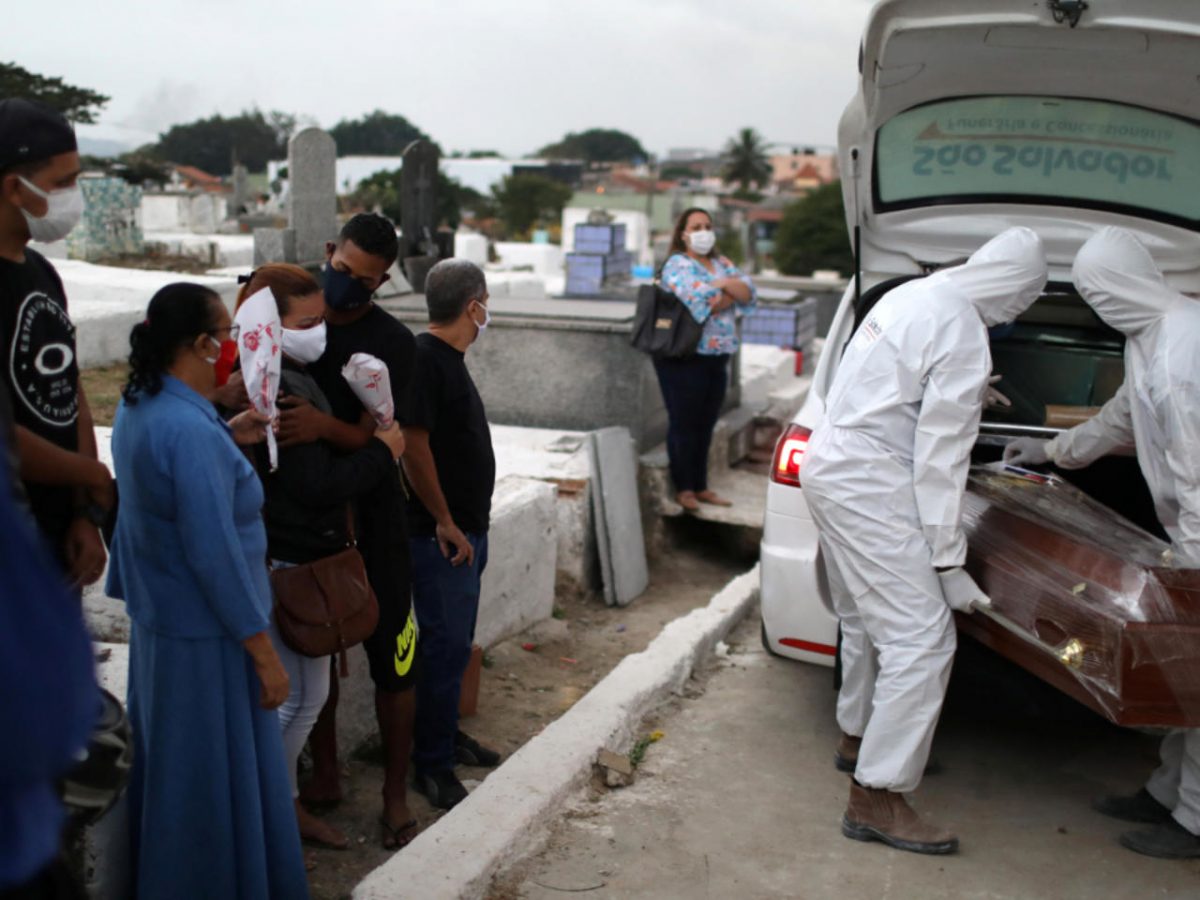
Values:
[(210, 805)]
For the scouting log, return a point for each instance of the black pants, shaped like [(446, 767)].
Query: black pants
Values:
[(55, 882), (693, 389)]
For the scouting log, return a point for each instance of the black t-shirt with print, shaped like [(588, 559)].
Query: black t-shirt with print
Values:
[(447, 404), (41, 374)]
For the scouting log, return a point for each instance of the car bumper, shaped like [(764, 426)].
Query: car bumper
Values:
[(797, 616)]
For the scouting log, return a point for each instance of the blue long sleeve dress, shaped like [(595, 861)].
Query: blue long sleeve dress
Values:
[(210, 806)]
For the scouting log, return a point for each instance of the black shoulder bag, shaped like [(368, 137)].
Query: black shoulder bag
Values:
[(662, 325)]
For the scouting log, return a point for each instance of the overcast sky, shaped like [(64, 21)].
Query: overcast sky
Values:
[(508, 75)]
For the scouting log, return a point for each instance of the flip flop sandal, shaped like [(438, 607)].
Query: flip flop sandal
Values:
[(397, 838)]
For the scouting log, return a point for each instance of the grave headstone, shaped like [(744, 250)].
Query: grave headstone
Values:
[(273, 245), (418, 211), (239, 202), (312, 193), (112, 220)]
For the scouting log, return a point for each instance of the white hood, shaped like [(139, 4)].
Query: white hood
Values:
[(1003, 277), (1117, 276)]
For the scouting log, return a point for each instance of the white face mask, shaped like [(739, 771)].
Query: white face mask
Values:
[(487, 320), (304, 345), (64, 208), (702, 242)]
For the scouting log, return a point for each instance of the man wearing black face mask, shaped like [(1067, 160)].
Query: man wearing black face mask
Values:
[(69, 490), (356, 267)]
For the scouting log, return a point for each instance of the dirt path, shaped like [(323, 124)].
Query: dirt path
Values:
[(523, 691)]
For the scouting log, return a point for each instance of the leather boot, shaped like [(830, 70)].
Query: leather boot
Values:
[(879, 815), (1141, 808), (1167, 841), (845, 758)]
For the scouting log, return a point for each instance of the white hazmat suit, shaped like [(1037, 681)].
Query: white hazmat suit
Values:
[(884, 477), (1157, 412)]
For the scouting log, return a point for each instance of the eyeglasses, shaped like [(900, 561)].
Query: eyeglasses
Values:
[(234, 330)]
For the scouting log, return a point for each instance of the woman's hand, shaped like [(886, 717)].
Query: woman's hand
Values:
[(720, 302), (300, 422), (269, 669), (232, 395), (393, 437), (249, 427), (734, 288)]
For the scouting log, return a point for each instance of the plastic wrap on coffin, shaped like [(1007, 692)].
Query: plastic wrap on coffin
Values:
[(1084, 599)]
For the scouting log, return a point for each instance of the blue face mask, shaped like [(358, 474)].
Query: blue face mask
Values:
[(343, 291)]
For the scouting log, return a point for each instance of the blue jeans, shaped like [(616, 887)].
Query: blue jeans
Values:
[(446, 601)]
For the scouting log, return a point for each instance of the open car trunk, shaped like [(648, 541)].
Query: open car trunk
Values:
[(1085, 591)]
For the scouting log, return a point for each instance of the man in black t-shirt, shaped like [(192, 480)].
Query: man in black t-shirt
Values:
[(69, 490), (451, 466), (356, 267)]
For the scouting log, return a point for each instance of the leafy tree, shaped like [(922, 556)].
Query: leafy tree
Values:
[(524, 200), (77, 104), (746, 161), (214, 144), (813, 234), (376, 134), (596, 145), (383, 190)]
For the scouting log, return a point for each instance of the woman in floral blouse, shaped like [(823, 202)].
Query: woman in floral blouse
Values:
[(715, 292)]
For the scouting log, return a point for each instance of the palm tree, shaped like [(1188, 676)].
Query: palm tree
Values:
[(746, 160)]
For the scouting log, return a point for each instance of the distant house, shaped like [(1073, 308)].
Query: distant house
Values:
[(802, 170), (192, 179)]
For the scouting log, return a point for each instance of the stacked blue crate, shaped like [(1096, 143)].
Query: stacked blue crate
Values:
[(599, 258), (793, 326)]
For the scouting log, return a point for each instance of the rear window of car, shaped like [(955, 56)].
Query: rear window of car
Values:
[(1007, 149)]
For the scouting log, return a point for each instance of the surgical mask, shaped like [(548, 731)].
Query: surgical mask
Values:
[(227, 352), (343, 291), (64, 208), (487, 320), (702, 242), (305, 345)]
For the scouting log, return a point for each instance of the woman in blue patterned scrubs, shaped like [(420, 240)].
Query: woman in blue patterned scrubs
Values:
[(210, 806)]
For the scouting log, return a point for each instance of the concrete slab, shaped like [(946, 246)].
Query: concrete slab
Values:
[(218, 250), (615, 507), (507, 816), (740, 798), (518, 585), (560, 458), (106, 302), (607, 382)]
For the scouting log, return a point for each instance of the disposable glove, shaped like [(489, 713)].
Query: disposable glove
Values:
[(1026, 452), (993, 397), (961, 591)]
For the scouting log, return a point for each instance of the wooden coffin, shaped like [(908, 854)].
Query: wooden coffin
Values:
[(1083, 599)]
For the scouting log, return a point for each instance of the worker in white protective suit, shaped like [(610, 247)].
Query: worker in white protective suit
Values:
[(1157, 412), (884, 476)]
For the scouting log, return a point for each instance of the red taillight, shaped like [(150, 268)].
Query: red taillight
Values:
[(789, 455)]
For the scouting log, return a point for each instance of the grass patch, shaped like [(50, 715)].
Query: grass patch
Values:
[(103, 389)]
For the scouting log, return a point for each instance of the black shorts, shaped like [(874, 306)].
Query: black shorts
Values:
[(383, 541)]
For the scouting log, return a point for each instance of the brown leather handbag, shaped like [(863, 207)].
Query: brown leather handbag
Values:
[(326, 606)]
